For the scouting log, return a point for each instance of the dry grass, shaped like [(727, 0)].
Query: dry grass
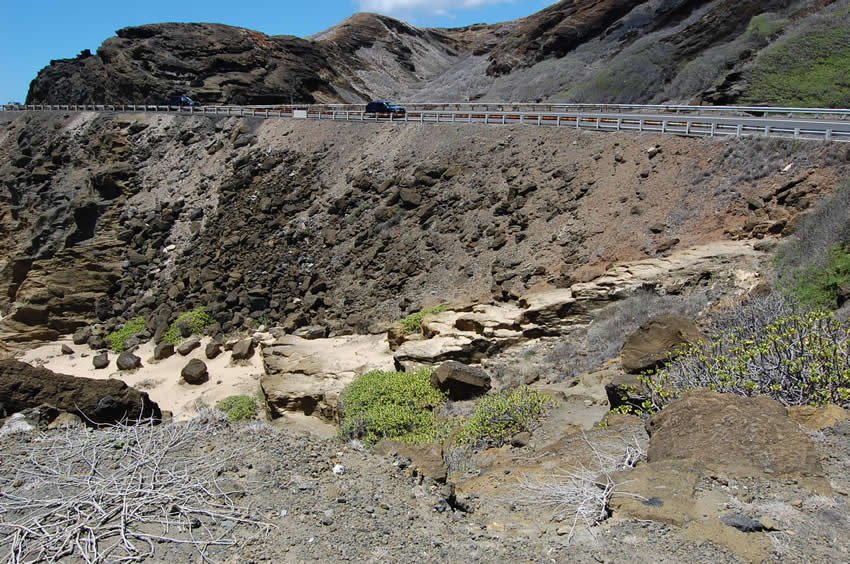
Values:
[(581, 495), (116, 494)]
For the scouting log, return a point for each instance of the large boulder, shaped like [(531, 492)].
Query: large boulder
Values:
[(163, 350), (188, 346), (733, 436), (656, 340), (195, 372), (243, 350), (99, 401), (128, 361), (100, 360), (461, 381)]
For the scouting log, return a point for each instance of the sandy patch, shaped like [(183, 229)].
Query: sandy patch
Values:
[(160, 379)]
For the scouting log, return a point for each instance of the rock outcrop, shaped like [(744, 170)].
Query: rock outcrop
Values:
[(733, 436), (97, 401), (656, 340), (460, 381)]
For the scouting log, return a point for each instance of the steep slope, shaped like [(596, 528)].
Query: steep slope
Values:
[(574, 50), (353, 226)]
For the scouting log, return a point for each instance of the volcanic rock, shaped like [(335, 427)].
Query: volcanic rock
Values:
[(128, 361), (243, 349), (163, 351), (188, 346), (195, 372), (100, 401), (100, 360), (732, 435), (656, 340)]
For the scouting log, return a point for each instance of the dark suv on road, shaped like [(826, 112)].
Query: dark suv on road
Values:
[(181, 101), (383, 107)]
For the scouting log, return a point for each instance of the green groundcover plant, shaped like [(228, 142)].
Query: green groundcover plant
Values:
[(392, 405), (413, 322), (501, 415), (118, 339), (238, 408), (196, 319)]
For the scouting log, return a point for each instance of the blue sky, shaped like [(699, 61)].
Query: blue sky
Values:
[(34, 32)]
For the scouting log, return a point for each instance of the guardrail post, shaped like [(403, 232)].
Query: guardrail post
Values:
[(598, 122), (619, 123), (828, 135), (739, 130), (663, 126), (713, 128), (796, 133)]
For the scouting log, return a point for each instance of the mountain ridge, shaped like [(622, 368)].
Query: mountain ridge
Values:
[(620, 51)]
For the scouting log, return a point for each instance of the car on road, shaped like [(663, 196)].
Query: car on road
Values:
[(181, 100), (384, 107)]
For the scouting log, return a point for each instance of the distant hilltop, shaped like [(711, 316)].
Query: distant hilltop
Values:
[(777, 52)]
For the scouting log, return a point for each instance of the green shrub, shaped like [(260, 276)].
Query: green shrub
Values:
[(413, 322), (391, 405), (503, 414), (766, 25), (118, 339), (797, 359), (238, 408), (197, 320), (818, 285)]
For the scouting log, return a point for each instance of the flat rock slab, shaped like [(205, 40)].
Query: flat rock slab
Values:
[(733, 436), (307, 375)]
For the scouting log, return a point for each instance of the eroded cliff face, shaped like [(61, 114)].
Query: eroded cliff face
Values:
[(702, 51), (351, 226)]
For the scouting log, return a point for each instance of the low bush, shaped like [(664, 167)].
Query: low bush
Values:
[(118, 339), (815, 262), (798, 359), (818, 286), (413, 322), (503, 414), (238, 408), (196, 319), (391, 405)]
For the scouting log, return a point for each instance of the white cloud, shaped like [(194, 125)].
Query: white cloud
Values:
[(430, 7)]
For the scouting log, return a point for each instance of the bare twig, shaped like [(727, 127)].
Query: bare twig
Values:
[(115, 494)]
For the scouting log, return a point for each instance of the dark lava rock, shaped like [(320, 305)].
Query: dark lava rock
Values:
[(195, 372), (243, 349), (163, 351), (67, 350), (212, 350), (99, 401), (188, 346), (128, 361), (82, 335), (743, 523), (462, 382), (100, 361)]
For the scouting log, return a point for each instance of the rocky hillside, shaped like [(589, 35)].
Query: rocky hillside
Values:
[(709, 51), (351, 227)]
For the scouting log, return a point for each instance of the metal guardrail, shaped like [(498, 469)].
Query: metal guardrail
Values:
[(833, 113), (667, 123)]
